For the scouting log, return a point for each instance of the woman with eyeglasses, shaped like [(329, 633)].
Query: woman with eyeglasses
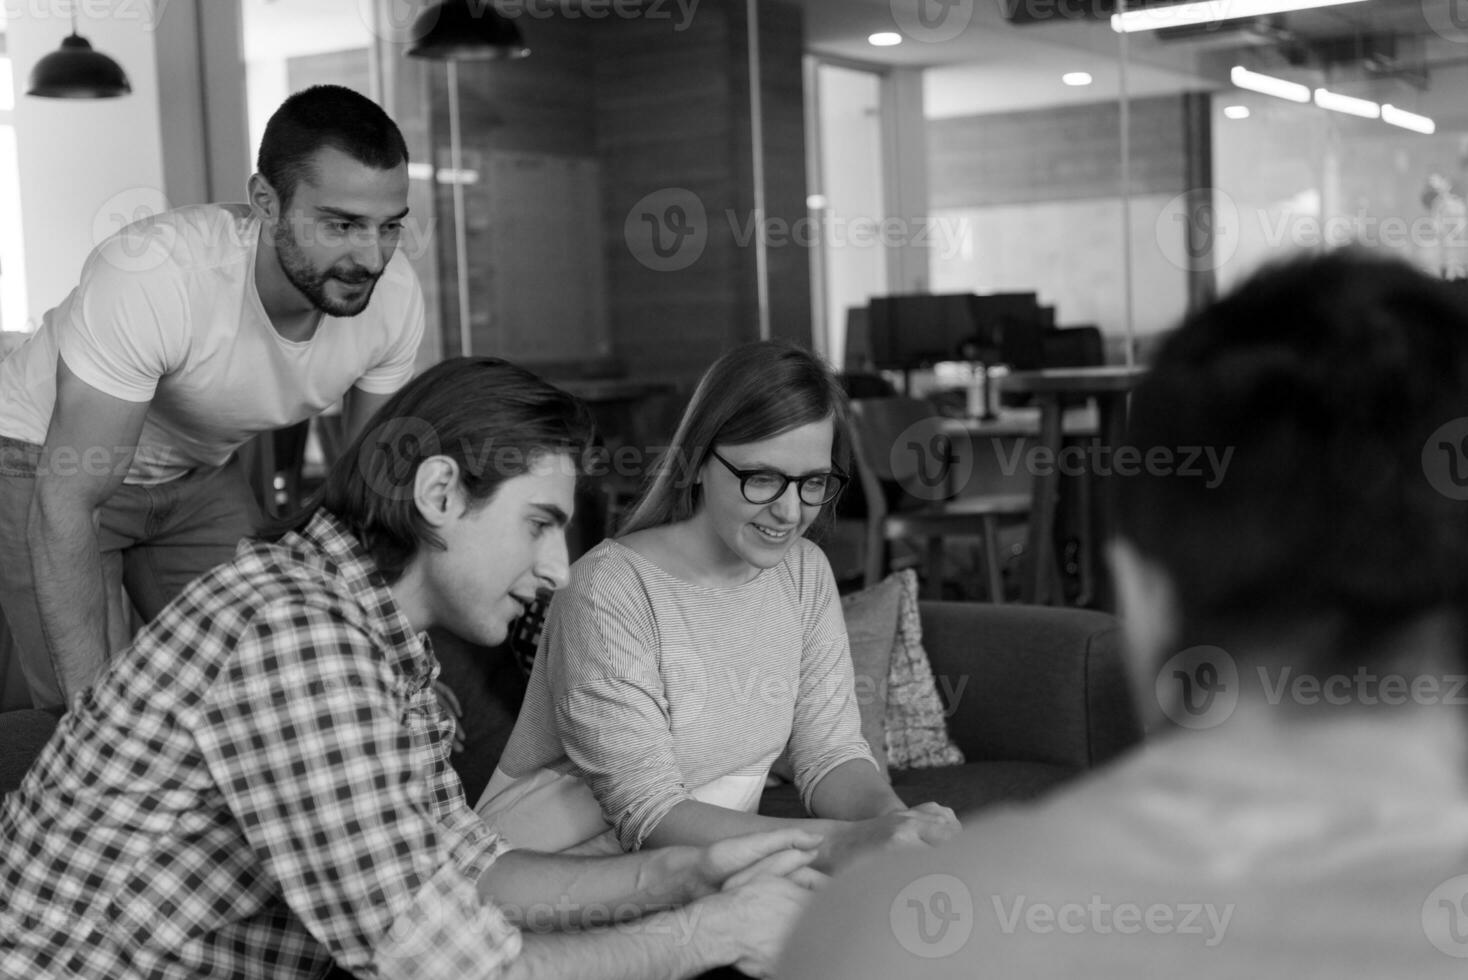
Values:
[(687, 652)]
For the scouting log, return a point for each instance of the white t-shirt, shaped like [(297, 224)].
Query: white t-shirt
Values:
[(167, 312)]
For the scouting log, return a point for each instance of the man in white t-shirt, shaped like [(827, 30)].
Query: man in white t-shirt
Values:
[(189, 333)]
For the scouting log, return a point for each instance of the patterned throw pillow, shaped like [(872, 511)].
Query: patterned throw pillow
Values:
[(917, 735)]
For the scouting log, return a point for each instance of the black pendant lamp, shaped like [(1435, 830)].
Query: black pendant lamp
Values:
[(77, 72), (463, 30)]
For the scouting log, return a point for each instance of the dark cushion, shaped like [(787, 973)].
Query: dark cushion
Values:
[(23, 734), (966, 788)]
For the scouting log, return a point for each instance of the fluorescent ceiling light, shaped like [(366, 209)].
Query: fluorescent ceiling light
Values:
[(1208, 11), (884, 39), (1408, 120), (1348, 104), (1269, 85), (1236, 111), (1076, 78)]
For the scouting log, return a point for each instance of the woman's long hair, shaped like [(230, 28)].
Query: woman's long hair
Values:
[(756, 391), (492, 418)]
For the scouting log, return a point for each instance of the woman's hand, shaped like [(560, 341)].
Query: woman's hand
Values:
[(921, 826), (730, 864)]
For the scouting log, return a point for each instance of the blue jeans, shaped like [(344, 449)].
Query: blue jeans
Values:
[(153, 540)]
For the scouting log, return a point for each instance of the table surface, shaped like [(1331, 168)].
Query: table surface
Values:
[(1083, 381), (1024, 422)]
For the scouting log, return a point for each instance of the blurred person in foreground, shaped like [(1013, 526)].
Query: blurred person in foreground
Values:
[(260, 785), (1301, 623)]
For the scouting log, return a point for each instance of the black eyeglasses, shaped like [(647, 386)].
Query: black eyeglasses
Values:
[(767, 486)]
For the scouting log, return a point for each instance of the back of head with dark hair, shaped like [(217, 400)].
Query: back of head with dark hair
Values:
[(1326, 377), (756, 391), (322, 116), (492, 418)]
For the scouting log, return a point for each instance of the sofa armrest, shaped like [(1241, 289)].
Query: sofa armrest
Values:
[(1031, 683)]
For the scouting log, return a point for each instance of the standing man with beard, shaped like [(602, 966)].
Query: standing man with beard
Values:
[(189, 333)]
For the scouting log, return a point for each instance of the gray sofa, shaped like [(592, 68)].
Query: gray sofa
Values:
[(1042, 696)]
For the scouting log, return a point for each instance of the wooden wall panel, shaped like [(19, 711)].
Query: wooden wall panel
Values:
[(1060, 154)]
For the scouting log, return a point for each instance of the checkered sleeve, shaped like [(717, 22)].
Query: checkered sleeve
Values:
[(305, 735)]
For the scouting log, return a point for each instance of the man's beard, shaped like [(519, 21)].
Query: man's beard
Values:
[(312, 284)]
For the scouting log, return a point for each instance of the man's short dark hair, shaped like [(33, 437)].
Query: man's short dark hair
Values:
[(1327, 377), (326, 116)]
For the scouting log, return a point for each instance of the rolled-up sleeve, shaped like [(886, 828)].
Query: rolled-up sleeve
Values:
[(310, 742), (827, 726), (612, 707)]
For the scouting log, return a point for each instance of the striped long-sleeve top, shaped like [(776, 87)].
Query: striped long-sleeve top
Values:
[(651, 690)]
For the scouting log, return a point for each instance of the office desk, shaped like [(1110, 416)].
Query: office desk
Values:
[(1109, 386)]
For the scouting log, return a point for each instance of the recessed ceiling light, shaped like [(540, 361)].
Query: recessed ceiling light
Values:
[(1269, 85), (1236, 111), (815, 202), (1407, 120), (1208, 12), (884, 39), (1348, 104), (1076, 78)]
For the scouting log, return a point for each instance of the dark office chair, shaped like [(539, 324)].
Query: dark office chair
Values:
[(898, 496)]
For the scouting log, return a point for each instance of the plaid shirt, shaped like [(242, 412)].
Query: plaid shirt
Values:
[(259, 785)]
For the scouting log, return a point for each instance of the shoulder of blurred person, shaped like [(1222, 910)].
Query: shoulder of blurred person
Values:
[(1299, 622)]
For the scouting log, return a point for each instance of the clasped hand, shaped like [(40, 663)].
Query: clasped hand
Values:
[(927, 824)]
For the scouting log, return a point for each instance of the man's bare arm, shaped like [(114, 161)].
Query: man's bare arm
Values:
[(89, 447), (744, 927), (541, 892), (357, 407)]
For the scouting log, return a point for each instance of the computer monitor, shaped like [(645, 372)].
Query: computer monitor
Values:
[(1018, 321), (915, 330), (911, 331)]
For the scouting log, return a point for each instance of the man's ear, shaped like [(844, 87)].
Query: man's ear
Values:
[(1146, 601), (263, 198), (437, 492)]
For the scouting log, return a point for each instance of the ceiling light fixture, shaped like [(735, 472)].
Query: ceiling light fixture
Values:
[(75, 71), (1349, 104), (1076, 78), (1208, 11), (1269, 85), (1408, 120), (1236, 111), (884, 39)]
